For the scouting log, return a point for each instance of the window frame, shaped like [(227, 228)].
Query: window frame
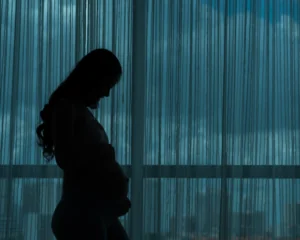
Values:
[(166, 171)]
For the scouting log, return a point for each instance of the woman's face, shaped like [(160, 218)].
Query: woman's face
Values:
[(94, 106), (96, 94)]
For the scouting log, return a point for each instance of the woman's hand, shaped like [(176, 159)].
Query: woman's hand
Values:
[(123, 207), (117, 208)]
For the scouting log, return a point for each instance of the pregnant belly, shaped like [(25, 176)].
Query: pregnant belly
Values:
[(96, 187)]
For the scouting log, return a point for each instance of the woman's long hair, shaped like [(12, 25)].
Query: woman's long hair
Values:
[(98, 68)]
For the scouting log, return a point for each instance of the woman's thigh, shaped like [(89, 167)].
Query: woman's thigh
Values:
[(71, 222)]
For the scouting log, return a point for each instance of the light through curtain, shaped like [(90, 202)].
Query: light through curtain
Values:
[(205, 120), (222, 114), (40, 43)]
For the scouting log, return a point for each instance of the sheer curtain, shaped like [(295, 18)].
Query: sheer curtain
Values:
[(205, 120)]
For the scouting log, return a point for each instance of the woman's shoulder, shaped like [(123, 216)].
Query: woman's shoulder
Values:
[(69, 115), (68, 121), (64, 107)]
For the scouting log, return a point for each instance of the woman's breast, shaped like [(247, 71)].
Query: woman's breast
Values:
[(93, 133)]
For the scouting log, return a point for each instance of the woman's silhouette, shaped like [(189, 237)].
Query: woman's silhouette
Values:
[(94, 186)]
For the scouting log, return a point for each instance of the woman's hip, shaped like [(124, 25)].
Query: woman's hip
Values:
[(69, 218), (69, 221)]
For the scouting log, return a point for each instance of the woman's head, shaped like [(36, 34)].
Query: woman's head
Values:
[(91, 79)]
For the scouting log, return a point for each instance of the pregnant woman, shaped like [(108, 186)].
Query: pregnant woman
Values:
[(95, 188)]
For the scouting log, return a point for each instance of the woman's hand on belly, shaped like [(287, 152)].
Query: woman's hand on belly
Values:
[(118, 208)]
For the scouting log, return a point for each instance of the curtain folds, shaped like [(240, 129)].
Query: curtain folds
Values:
[(205, 120)]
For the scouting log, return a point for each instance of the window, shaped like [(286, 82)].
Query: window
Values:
[(205, 120)]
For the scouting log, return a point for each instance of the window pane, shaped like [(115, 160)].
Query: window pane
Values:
[(186, 208), (28, 213), (40, 46), (222, 88)]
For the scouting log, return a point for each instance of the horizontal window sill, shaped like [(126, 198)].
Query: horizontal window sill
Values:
[(166, 171)]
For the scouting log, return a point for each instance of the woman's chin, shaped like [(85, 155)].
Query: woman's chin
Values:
[(94, 106)]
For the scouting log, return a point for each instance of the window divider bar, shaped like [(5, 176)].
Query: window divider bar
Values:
[(138, 90), (166, 171)]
